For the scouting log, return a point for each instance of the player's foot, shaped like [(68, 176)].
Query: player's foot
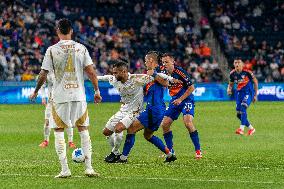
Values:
[(121, 161), (251, 131), (71, 145), (198, 154), (43, 144), (112, 158), (239, 131), (171, 158), (64, 174), (91, 173)]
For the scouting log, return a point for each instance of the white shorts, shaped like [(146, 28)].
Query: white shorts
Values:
[(126, 118), (69, 114), (47, 112)]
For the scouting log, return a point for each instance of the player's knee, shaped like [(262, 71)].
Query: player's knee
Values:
[(190, 127), (147, 136), (119, 128)]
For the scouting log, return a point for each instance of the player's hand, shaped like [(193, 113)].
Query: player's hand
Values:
[(254, 99), (176, 81), (43, 101), (229, 92), (33, 96), (97, 98), (150, 72), (177, 102)]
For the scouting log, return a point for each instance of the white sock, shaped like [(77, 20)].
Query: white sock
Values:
[(46, 132), (87, 148), (60, 148), (250, 127), (69, 131), (242, 127), (111, 140), (117, 142), (123, 157)]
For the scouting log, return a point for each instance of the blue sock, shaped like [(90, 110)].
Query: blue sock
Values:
[(159, 144), (169, 140), (195, 140), (129, 143), (244, 119)]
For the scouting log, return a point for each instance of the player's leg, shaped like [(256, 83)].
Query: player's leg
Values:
[(130, 140), (244, 119), (240, 130), (188, 113), (79, 118), (171, 114), (69, 132), (60, 113), (46, 127)]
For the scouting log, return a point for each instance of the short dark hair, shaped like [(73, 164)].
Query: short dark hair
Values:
[(168, 54), (64, 25), (121, 62)]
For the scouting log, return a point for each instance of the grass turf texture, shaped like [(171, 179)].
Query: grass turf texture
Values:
[(230, 161)]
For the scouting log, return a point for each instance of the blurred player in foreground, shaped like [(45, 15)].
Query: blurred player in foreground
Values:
[(247, 86)]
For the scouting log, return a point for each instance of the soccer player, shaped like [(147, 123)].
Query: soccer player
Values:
[(130, 87), (150, 119), (47, 114), (68, 60), (182, 102), (247, 86)]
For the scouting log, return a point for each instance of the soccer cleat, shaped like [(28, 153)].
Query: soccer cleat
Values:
[(121, 161), (251, 131), (198, 154), (43, 144), (64, 174), (71, 145), (91, 173), (239, 131), (112, 158), (172, 158)]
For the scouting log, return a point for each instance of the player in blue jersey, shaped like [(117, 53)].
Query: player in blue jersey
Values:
[(182, 102), (247, 86), (151, 118)]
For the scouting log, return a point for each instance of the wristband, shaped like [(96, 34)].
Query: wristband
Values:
[(97, 91)]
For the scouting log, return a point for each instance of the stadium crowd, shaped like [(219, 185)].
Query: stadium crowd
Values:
[(168, 26), (252, 30)]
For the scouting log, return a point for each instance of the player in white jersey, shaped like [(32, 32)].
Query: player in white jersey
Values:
[(47, 114), (130, 87), (68, 60)]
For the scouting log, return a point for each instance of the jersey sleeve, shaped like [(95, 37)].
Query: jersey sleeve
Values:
[(105, 78), (142, 79), (87, 59), (250, 75), (184, 77), (47, 61), (231, 76)]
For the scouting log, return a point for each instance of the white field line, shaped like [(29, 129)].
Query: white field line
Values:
[(145, 164), (154, 178)]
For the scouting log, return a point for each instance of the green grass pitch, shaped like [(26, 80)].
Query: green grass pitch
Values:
[(230, 161)]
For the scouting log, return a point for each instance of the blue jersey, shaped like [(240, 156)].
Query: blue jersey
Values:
[(178, 89), (152, 116), (244, 81)]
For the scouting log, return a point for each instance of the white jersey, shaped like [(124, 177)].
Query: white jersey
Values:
[(131, 91), (67, 59)]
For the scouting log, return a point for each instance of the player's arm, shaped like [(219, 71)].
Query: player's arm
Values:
[(158, 78), (188, 92), (41, 80), (91, 73), (105, 77), (230, 87), (255, 85), (43, 99)]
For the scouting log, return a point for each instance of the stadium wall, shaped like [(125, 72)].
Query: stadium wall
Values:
[(18, 92)]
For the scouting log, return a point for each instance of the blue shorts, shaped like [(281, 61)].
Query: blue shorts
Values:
[(151, 118), (186, 107), (244, 99)]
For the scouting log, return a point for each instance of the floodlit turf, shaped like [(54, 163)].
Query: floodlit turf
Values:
[(230, 161)]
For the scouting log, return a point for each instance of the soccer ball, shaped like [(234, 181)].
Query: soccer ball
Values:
[(78, 155)]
